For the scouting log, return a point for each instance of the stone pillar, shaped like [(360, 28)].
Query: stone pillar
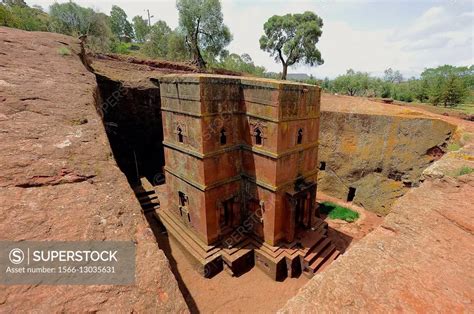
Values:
[(292, 224)]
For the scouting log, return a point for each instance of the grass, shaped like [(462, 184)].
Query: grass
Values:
[(467, 137), (63, 51), (454, 147), (463, 170), (466, 108), (338, 212)]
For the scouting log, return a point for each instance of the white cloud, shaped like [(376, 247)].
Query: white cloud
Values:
[(439, 36)]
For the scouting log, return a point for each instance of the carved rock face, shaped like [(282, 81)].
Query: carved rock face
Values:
[(59, 181)]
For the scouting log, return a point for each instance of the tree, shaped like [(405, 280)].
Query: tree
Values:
[(421, 90), (13, 3), (448, 85), (352, 83), (141, 28), (292, 39), (70, 19), (119, 24), (392, 76), (100, 35), (177, 49), (453, 92), (19, 15), (202, 24), (157, 46), (242, 63), (7, 18)]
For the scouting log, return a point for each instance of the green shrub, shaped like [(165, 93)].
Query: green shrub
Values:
[(453, 147), (120, 47), (464, 170), (338, 212)]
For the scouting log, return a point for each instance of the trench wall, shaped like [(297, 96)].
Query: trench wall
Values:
[(381, 156), (132, 118)]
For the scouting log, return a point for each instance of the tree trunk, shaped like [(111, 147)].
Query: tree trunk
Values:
[(285, 71), (198, 59)]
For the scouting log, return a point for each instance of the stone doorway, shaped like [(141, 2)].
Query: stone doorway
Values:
[(302, 211), (302, 202)]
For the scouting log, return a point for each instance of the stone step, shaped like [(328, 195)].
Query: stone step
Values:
[(244, 243), (139, 192), (318, 262), (310, 247), (318, 224), (183, 230), (148, 197), (147, 186), (270, 251), (150, 204), (329, 260), (188, 239), (316, 250)]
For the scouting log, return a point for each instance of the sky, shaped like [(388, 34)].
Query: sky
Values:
[(365, 35)]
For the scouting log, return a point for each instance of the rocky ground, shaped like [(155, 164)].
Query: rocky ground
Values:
[(379, 149), (59, 180), (419, 259)]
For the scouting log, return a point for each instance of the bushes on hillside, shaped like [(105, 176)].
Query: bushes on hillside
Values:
[(445, 85)]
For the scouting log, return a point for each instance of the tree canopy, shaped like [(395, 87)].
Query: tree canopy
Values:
[(392, 76), (141, 28), (19, 15), (157, 46), (242, 63), (352, 83), (119, 24), (292, 39), (202, 24), (71, 19)]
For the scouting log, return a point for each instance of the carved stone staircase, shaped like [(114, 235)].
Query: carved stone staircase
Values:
[(309, 253), (147, 196), (208, 257)]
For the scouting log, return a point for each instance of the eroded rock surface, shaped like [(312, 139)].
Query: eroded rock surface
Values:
[(418, 260), (379, 150), (59, 181)]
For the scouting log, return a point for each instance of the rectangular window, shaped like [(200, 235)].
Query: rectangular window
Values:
[(183, 199)]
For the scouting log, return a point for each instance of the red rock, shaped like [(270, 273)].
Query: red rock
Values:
[(59, 181), (419, 260)]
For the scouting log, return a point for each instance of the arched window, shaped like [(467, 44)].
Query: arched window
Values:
[(223, 137), (300, 136), (258, 136), (180, 135)]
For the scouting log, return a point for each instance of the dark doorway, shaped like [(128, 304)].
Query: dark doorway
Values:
[(302, 211), (223, 137), (258, 137), (322, 165), (351, 194), (300, 136), (225, 219), (180, 135)]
